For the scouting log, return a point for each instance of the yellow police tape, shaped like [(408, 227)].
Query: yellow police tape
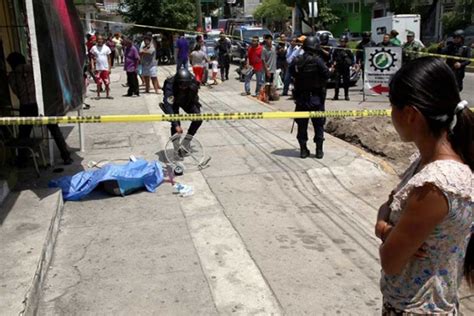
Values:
[(409, 51), (43, 120)]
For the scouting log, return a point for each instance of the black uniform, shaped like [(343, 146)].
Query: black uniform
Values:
[(187, 99), (459, 50), (360, 56), (311, 75), (343, 60), (223, 57)]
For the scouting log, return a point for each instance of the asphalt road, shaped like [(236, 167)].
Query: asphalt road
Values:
[(264, 233)]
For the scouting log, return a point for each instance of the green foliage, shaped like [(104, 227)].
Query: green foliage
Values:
[(460, 17), (177, 14), (272, 11), (404, 6), (326, 15)]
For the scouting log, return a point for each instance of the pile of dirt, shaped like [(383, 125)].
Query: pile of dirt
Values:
[(375, 135)]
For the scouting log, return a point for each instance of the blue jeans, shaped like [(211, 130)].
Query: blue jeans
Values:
[(260, 81), (181, 62)]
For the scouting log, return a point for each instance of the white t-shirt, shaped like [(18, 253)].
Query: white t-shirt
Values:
[(101, 54), (215, 66)]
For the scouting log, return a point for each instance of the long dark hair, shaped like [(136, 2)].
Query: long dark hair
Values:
[(428, 84)]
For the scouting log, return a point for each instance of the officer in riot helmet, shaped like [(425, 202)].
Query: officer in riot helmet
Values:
[(458, 49), (325, 51), (342, 60), (181, 91), (365, 42), (311, 75)]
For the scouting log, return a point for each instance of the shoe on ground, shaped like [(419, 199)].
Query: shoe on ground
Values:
[(127, 95), (109, 97), (347, 98), (304, 152), (335, 98), (245, 93)]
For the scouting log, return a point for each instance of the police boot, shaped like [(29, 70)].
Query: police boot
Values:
[(176, 150), (319, 149), (185, 148), (304, 151)]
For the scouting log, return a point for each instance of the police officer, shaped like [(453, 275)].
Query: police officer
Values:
[(343, 60), (311, 75), (365, 42), (457, 48), (325, 51), (181, 91), (411, 47)]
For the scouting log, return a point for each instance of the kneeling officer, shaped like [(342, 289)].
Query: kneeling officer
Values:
[(181, 91), (311, 75)]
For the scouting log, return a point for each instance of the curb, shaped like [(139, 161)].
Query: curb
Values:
[(33, 294)]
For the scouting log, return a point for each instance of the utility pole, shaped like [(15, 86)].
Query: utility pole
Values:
[(199, 15)]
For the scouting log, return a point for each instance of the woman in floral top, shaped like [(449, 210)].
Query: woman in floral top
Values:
[(426, 224)]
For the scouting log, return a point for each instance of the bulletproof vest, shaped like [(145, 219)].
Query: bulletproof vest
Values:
[(325, 57), (343, 57), (185, 99), (308, 73), (456, 50)]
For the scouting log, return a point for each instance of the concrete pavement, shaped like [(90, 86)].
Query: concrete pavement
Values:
[(264, 233)]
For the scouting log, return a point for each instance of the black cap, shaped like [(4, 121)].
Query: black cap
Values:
[(344, 38)]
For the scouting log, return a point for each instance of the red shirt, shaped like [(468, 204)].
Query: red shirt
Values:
[(255, 57)]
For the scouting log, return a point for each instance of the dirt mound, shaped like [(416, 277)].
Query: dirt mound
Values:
[(376, 135)]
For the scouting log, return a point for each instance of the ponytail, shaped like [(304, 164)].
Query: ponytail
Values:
[(462, 136)]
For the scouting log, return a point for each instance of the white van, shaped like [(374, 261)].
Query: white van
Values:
[(402, 23)]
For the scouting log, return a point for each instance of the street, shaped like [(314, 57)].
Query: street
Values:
[(264, 233)]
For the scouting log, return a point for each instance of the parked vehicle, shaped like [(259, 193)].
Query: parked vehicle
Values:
[(242, 37), (401, 22), (319, 33)]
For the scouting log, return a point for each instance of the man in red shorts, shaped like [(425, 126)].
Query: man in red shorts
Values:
[(101, 62)]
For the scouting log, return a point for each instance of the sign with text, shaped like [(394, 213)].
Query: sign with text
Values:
[(381, 63)]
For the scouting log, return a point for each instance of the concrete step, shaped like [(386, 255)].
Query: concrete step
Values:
[(29, 224)]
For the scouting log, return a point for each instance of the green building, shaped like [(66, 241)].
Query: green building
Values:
[(355, 15)]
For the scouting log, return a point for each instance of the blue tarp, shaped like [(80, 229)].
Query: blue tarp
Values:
[(134, 174)]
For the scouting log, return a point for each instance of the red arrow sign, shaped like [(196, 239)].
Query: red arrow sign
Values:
[(380, 89)]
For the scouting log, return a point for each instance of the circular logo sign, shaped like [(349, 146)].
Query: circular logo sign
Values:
[(382, 60)]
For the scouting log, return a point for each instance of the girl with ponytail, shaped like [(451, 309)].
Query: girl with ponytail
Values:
[(427, 224)]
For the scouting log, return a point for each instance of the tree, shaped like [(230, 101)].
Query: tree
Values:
[(326, 16), (460, 17), (178, 14), (274, 12)]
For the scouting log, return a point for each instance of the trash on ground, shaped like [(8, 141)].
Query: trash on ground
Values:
[(183, 190), (117, 179)]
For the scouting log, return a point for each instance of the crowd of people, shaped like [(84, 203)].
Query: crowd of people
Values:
[(139, 60)]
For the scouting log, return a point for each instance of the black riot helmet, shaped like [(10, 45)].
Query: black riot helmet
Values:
[(183, 77), (366, 35), (324, 38), (311, 44), (459, 33)]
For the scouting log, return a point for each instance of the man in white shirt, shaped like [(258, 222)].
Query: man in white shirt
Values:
[(101, 63)]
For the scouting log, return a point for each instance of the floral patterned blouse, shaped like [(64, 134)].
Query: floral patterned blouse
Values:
[(430, 285)]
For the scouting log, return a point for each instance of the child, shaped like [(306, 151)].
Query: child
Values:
[(215, 69), (425, 225)]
